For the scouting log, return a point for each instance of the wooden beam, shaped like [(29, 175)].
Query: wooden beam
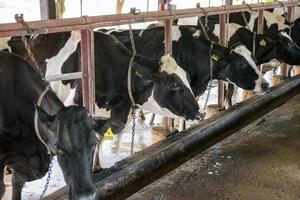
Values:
[(47, 8)]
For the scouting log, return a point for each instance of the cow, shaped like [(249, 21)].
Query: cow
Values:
[(31, 132), (274, 43), (191, 51), (158, 85), (51, 60)]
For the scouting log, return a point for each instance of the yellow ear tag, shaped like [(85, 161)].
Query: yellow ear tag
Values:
[(263, 42), (108, 135), (215, 57)]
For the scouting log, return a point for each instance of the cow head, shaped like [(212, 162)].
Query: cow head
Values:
[(71, 135), (171, 92), (286, 50), (242, 70)]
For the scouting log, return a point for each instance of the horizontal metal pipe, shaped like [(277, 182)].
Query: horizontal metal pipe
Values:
[(86, 22), (63, 77), (141, 163)]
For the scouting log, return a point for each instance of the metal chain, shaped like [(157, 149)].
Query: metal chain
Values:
[(210, 75), (204, 27), (48, 177), (20, 19), (291, 23), (133, 111), (244, 17), (134, 106)]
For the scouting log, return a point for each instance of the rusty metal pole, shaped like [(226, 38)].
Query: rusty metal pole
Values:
[(88, 70), (47, 8), (260, 23), (168, 46), (290, 17), (223, 41)]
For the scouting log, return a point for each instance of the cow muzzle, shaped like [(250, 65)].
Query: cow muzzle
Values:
[(87, 196)]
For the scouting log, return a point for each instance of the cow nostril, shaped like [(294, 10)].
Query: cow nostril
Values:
[(265, 86)]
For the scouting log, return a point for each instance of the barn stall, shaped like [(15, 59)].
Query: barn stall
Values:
[(181, 146)]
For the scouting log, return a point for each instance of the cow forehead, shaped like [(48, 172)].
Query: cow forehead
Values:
[(169, 65), (243, 51)]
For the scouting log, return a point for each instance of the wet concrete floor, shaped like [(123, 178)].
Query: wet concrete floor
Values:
[(261, 161)]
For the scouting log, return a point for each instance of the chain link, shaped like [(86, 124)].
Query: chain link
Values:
[(48, 177), (210, 76), (133, 113), (20, 19), (134, 106)]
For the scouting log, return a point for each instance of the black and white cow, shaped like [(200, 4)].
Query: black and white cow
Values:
[(159, 85), (275, 43), (191, 51), (63, 46), (68, 132)]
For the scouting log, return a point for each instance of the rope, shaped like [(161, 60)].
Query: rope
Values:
[(36, 118)]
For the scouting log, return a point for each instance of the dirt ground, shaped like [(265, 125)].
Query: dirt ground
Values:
[(262, 161)]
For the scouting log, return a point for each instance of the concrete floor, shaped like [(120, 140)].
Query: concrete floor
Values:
[(262, 161)]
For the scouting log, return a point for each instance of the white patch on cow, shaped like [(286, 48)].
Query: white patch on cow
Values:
[(169, 65), (152, 106), (108, 32), (217, 30), (270, 19), (188, 21), (197, 34), (4, 43), (176, 33), (243, 51), (284, 34), (55, 63), (70, 99), (232, 28)]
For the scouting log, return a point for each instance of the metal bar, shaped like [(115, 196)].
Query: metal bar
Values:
[(88, 70), (223, 41), (62, 77), (47, 8), (290, 17), (60, 25), (260, 23), (168, 36)]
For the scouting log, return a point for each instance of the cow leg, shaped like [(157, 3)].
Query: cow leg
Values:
[(2, 185), (152, 119), (121, 112), (228, 95), (17, 184), (96, 164)]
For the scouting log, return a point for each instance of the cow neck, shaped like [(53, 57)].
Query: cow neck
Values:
[(51, 104), (218, 53)]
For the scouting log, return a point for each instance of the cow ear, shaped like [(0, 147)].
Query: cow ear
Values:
[(102, 124), (45, 118)]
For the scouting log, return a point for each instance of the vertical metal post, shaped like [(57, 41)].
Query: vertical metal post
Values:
[(223, 41), (47, 8), (163, 4), (260, 23), (88, 70), (290, 17)]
